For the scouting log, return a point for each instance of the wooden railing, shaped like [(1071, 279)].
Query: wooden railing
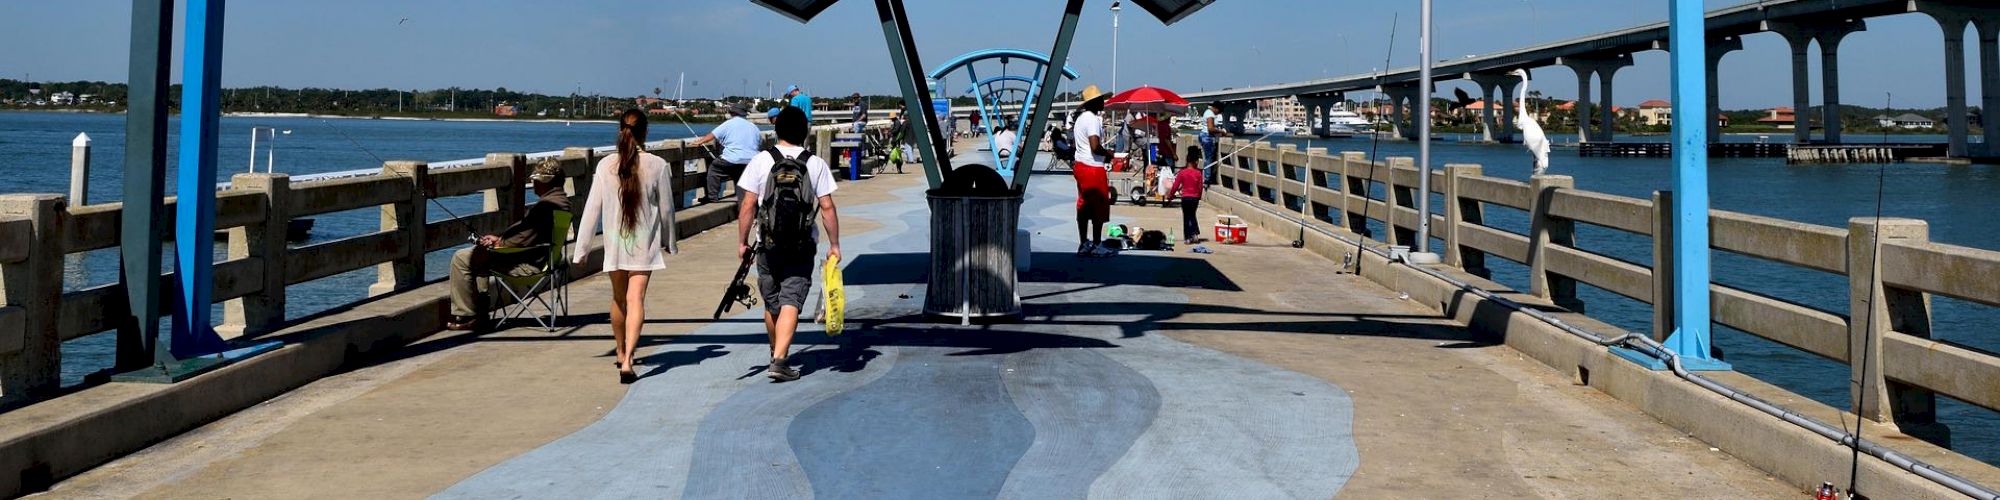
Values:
[(1908, 366), (38, 231)]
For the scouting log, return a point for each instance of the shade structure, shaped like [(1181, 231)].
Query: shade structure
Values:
[(1147, 99)]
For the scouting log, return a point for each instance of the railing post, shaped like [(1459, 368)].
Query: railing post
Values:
[(1282, 160), (264, 242), (1869, 320), (507, 199), (580, 166), (1663, 265), (1399, 196), (406, 218), (1544, 231), (1353, 184), (1458, 211), (31, 295)]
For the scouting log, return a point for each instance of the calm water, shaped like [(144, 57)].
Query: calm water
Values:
[(1957, 201), (37, 149)]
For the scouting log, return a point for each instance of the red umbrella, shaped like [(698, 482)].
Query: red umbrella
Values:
[(1147, 98)]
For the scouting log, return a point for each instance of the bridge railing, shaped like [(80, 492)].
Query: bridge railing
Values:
[(1909, 367), (39, 231)]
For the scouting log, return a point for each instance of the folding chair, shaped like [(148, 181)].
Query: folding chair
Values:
[(546, 288)]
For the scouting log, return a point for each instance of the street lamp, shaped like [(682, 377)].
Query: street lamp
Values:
[(1114, 46), (1423, 254)]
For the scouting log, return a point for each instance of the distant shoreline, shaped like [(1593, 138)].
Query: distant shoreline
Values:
[(252, 114)]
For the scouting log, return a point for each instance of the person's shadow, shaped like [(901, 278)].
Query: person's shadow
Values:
[(661, 361)]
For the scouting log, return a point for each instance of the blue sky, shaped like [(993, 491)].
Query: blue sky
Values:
[(628, 47)]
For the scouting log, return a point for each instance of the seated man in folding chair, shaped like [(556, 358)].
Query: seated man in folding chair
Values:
[(470, 266)]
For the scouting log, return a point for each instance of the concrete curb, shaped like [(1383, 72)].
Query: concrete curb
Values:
[(51, 440), (1799, 457)]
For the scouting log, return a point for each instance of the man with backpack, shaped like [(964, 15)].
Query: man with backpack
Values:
[(784, 188)]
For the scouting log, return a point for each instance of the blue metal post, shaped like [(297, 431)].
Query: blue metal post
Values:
[(194, 221), (1689, 47)]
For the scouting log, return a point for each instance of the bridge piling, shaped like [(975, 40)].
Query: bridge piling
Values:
[(1876, 309), (407, 218), (31, 263), (1545, 231), (265, 243)]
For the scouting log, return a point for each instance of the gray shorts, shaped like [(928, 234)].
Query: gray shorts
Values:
[(785, 280)]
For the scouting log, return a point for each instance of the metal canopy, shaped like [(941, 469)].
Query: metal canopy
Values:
[(1169, 11), (1172, 11), (798, 10)]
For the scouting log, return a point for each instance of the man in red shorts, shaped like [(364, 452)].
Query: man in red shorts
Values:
[(1093, 186)]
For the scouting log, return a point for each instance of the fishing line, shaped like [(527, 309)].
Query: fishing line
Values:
[(471, 233), (1875, 293)]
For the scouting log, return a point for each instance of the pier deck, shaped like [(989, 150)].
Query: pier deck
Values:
[(1145, 375)]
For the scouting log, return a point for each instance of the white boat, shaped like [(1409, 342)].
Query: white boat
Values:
[(1261, 127)]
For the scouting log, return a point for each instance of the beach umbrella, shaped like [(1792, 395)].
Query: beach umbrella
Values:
[(1149, 99)]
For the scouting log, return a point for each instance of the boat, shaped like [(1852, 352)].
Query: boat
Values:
[(1262, 127)]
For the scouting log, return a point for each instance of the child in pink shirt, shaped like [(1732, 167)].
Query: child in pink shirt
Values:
[(1188, 185)]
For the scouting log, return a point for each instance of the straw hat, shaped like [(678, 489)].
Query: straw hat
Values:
[(1091, 93)]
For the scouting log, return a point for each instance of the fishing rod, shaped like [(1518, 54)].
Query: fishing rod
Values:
[(1867, 340), (693, 134), (471, 233), (1375, 145), (1304, 203)]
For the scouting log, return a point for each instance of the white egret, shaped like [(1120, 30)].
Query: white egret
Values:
[(1531, 132)]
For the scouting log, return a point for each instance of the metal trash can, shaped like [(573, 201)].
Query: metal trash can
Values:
[(972, 257)]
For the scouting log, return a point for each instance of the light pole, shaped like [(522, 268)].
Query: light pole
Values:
[(1114, 46), (1423, 255)]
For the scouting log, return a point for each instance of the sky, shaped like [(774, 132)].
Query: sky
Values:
[(629, 47)]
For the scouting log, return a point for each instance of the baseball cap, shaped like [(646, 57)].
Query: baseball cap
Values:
[(739, 109), (548, 170), (791, 89), (773, 113)]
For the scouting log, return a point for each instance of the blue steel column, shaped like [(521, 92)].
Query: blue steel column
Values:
[(194, 217), (916, 90), (1689, 53), (145, 181), (1043, 99)]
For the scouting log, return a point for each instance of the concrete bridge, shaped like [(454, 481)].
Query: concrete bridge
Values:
[(1259, 370), (1800, 22)]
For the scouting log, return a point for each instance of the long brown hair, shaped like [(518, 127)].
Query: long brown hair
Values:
[(631, 135)]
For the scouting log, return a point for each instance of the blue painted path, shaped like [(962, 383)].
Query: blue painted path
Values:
[(1077, 399)]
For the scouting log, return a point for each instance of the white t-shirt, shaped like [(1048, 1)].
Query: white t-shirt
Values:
[(1004, 141), (758, 172), (1209, 118), (1088, 124)]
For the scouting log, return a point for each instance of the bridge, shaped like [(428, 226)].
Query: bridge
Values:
[(1800, 22)]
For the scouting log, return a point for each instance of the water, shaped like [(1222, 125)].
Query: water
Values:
[(36, 150), (1957, 201)]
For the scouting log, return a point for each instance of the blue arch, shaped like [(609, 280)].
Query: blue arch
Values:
[(1002, 78), (984, 54)]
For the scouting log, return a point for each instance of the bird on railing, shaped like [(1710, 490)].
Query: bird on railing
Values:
[(1531, 132)]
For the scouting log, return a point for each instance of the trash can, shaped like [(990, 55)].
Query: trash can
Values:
[(973, 245)]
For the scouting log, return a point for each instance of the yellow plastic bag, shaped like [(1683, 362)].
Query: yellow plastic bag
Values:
[(834, 310)]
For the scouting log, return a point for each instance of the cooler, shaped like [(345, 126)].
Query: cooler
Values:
[(1120, 161), (1231, 230)]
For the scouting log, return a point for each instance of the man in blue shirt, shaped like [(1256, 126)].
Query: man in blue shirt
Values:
[(799, 99), (741, 140)]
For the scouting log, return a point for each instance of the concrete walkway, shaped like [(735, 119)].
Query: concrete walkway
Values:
[(1253, 372)]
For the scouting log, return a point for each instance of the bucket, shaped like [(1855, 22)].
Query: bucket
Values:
[(1231, 230)]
